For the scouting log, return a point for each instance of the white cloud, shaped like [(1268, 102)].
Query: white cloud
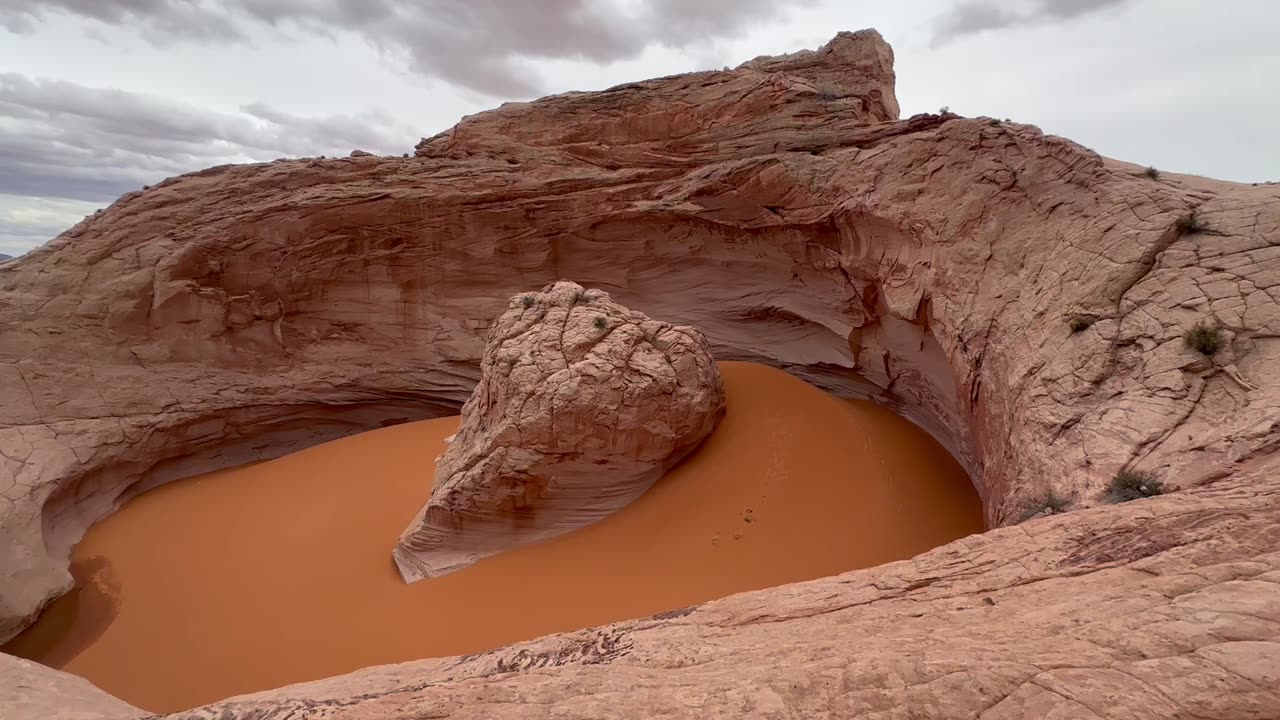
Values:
[(26, 222)]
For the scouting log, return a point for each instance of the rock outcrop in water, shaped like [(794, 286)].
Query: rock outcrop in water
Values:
[(1016, 294), (582, 404)]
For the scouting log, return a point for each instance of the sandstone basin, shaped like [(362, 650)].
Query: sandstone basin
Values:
[(1019, 296), (277, 573)]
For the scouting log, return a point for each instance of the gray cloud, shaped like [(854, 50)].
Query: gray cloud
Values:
[(969, 17), (67, 148), (482, 45), (167, 18), (64, 140)]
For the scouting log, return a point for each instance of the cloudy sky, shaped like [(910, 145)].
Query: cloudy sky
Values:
[(98, 97)]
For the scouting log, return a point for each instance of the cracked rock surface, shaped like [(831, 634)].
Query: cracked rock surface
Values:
[(582, 405), (1019, 296)]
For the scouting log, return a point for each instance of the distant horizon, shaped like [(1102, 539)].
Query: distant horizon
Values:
[(116, 95)]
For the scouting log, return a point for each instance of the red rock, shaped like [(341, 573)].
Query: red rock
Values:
[(582, 405), (1019, 296)]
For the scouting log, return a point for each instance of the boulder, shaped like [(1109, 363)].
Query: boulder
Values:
[(582, 404)]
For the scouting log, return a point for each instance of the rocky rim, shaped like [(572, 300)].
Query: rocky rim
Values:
[(1019, 296)]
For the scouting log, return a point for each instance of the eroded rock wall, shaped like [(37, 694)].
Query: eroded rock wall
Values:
[(933, 264)]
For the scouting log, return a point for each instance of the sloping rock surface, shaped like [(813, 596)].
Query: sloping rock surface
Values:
[(1165, 609), (582, 404), (29, 691), (1019, 296)]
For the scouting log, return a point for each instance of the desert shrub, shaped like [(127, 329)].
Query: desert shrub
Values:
[(1133, 485), (1153, 173), (1204, 338), (601, 323), (827, 95), (1079, 324), (1188, 224), (944, 109), (995, 122), (1050, 502), (527, 301)]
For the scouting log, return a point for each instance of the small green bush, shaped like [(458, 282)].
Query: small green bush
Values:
[(601, 323), (1079, 324), (1153, 173), (1188, 224), (1133, 485), (1204, 338), (1050, 502), (527, 301), (944, 109), (828, 95)]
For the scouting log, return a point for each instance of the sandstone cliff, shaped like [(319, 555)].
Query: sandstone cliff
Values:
[(1014, 293), (582, 405)]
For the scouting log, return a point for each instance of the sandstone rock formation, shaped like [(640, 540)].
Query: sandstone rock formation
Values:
[(582, 404), (1016, 294), (34, 692)]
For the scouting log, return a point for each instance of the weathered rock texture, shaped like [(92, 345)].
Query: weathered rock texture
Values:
[(1167, 609), (582, 404), (934, 264), (34, 692), (1161, 609)]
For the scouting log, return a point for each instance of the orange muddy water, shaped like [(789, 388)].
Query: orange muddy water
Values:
[(280, 572)]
